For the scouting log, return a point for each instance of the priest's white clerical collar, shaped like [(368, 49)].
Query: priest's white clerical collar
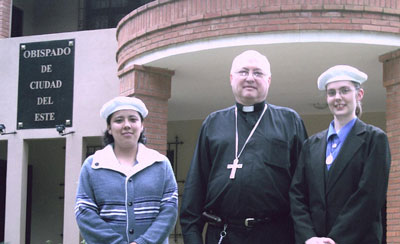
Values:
[(248, 108)]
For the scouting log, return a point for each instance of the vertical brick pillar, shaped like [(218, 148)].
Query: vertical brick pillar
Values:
[(391, 81), (5, 18), (153, 86)]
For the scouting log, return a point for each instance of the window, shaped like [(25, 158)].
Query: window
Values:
[(102, 14), (92, 149), (16, 22)]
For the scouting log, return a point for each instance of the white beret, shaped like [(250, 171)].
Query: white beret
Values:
[(340, 73), (122, 103)]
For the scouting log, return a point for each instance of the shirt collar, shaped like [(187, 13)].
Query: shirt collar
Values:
[(106, 159), (343, 132), (252, 108)]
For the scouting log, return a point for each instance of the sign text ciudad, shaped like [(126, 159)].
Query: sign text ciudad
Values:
[(44, 84)]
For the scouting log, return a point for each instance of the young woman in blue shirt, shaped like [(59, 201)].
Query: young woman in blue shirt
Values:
[(340, 184)]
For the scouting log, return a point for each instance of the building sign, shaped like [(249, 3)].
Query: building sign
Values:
[(46, 82)]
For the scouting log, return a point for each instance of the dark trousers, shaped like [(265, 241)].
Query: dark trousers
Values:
[(276, 232)]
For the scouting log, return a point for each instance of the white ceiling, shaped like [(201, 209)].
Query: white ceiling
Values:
[(201, 81)]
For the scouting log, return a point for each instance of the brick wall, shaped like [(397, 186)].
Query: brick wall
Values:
[(153, 86), (391, 81), (166, 22), (5, 18)]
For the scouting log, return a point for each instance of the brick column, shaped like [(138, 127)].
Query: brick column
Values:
[(153, 86), (391, 81), (5, 18)]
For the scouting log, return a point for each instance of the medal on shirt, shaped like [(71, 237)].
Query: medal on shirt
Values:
[(329, 159), (235, 164)]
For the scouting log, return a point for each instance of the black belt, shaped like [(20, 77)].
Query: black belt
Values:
[(247, 222), (232, 222)]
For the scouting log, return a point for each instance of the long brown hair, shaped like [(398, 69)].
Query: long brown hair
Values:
[(359, 105)]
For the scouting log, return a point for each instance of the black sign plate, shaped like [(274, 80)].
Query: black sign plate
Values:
[(46, 83)]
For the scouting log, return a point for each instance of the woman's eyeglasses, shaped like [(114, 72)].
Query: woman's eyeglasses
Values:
[(342, 91)]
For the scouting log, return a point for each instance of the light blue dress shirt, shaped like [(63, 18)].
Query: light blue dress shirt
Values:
[(335, 140)]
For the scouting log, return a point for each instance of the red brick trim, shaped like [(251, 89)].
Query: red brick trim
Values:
[(391, 81), (153, 86), (5, 18), (169, 22)]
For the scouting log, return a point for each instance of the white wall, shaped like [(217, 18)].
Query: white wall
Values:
[(95, 82)]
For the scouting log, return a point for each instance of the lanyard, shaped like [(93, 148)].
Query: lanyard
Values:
[(250, 135)]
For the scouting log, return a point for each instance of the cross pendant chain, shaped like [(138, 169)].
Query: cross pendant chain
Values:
[(233, 166)]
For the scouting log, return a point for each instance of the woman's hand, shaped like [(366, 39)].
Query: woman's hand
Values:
[(320, 240)]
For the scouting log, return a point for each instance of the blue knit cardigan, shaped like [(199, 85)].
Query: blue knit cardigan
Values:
[(116, 204)]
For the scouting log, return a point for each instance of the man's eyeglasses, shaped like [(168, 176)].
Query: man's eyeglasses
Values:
[(255, 74), (342, 91)]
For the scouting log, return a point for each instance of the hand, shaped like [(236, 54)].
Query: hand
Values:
[(133, 243), (320, 240)]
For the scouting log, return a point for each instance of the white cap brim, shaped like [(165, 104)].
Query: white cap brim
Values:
[(341, 73), (123, 103)]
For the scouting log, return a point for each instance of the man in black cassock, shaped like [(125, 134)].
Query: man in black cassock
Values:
[(243, 164)]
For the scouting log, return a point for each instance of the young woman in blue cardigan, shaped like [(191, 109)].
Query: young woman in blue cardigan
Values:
[(127, 193)]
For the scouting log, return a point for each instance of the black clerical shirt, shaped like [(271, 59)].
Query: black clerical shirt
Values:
[(260, 188)]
